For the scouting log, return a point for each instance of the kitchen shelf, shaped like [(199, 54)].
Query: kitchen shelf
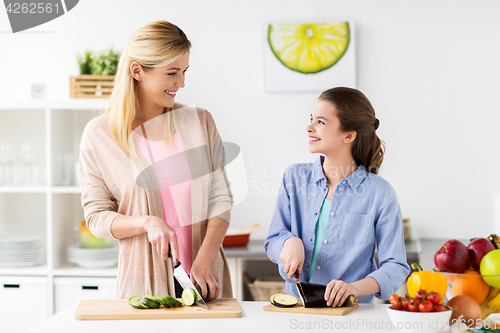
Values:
[(51, 206)]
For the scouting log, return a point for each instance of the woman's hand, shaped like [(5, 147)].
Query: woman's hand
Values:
[(337, 291), (292, 256), (162, 236), (203, 272)]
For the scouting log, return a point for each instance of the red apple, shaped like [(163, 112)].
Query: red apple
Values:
[(452, 257), (477, 249)]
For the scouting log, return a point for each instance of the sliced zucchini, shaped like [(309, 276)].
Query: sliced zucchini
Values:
[(283, 300), (134, 302), (172, 302), (149, 301), (189, 296)]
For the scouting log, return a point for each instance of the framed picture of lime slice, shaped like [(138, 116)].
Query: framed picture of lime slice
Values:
[(309, 56)]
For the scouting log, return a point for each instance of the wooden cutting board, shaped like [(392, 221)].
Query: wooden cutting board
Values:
[(322, 311), (102, 309)]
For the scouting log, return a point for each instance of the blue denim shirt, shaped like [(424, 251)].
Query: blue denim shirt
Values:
[(365, 213)]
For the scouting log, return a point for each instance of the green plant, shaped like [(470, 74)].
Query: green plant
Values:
[(85, 63), (103, 63)]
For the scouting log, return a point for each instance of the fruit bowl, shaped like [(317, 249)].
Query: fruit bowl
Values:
[(418, 322)]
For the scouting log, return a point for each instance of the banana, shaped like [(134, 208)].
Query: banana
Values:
[(491, 304), (495, 240)]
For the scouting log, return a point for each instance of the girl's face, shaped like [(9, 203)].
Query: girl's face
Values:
[(159, 85), (325, 135)]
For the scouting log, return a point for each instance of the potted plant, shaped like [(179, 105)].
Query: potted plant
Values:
[(97, 74)]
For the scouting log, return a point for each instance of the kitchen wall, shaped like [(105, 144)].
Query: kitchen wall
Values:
[(430, 67)]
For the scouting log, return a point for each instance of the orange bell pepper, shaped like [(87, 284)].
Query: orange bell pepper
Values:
[(428, 281)]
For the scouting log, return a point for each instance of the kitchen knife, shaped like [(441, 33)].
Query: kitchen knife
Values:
[(298, 285), (185, 282)]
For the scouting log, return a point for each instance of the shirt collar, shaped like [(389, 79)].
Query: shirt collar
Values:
[(354, 179)]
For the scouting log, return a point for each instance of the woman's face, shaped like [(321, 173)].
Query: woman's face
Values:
[(325, 135), (159, 85)]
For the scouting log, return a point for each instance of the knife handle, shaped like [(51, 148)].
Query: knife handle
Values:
[(296, 276), (176, 264)]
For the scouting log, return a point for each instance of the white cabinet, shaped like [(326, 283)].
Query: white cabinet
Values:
[(41, 195), (24, 302), (70, 290)]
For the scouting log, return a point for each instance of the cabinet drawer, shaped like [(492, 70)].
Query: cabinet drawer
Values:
[(71, 290), (24, 302)]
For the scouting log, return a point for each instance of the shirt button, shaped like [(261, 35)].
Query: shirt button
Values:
[(318, 267), (325, 241), (332, 214), (311, 239), (340, 189), (344, 182)]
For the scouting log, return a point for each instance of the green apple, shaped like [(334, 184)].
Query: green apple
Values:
[(490, 265)]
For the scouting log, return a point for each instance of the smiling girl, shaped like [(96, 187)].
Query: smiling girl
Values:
[(332, 213), (153, 175)]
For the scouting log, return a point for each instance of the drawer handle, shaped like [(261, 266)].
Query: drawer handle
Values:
[(11, 286), (90, 287)]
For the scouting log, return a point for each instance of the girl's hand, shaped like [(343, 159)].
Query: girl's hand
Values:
[(162, 236), (203, 272), (292, 256), (337, 291)]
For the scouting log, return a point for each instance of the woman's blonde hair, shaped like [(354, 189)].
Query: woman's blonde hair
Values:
[(155, 44)]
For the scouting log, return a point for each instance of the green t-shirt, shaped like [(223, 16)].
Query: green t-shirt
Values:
[(320, 232)]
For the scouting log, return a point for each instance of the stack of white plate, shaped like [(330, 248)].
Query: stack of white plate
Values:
[(21, 251), (93, 258)]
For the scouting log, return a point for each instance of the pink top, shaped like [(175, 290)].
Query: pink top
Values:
[(176, 197)]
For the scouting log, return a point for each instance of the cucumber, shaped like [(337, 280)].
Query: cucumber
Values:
[(134, 302), (188, 296), (171, 301), (150, 301)]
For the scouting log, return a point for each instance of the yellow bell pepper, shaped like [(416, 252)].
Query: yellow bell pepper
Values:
[(426, 280)]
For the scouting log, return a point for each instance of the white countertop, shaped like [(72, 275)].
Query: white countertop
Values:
[(367, 318)]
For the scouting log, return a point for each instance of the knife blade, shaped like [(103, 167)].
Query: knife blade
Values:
[(185, 282)]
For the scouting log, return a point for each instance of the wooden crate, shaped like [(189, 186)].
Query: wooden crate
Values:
[(91, 86)]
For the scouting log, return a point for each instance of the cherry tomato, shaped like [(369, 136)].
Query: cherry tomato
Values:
[(439, 308), (425, 306), (405, 301), (421, 293), (413, 305), (434, 297), (394, 299)]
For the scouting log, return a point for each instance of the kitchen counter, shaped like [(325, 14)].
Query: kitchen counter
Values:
[(367, 318), (254, 251)]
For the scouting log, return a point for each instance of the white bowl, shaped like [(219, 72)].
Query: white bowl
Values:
[(418, 322)]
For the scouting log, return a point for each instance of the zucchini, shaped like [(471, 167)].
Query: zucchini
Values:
[(283, 300), (189, 296), (150, 301), (134, 302), (172, 302)]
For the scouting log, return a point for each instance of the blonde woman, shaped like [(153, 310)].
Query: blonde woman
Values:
[(153, 173)]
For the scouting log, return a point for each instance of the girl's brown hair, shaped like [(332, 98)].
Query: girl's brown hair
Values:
[(356, 113)]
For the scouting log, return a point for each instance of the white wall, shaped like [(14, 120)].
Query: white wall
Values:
[(430, 67)]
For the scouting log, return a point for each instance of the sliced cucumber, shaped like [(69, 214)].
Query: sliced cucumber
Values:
[(150, 301), (283, 300), (134, 302), (189, 296), (172, 302)]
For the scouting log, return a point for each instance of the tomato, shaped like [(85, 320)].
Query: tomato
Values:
[(413, 306), (439, 308), (394, 299), (421, 293), (425, 306), (434, 297), (405, 302)]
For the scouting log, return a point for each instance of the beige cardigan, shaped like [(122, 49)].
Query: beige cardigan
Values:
[(110, 188)]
